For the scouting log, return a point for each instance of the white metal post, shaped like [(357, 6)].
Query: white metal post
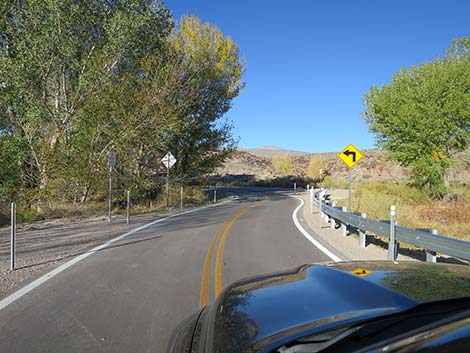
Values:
[(128, 219), (215, 193), (295, 188), (168, 183), (392, 242), (431, 256), (344, 229), (110, 194), (13, 236), (311, 195), (362, 234)]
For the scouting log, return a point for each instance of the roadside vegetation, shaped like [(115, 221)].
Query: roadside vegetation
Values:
[(422, 117), (108, 76), (415, 208)]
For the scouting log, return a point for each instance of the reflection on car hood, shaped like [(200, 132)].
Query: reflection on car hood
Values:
[(257, 314)]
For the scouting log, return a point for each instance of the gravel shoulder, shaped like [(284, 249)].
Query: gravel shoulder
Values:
[(43, 245)]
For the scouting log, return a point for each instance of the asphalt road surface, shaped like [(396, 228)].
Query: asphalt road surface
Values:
[(129, 296)]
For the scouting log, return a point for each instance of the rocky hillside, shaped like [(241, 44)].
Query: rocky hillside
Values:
[(245, 166)]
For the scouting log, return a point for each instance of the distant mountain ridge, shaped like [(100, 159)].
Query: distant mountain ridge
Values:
[(273, 150)]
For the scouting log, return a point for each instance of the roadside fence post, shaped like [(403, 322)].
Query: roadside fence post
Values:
[(128, 219), (311, 196), (332, 220), (344, 229), (181, 197), (431, 256), (13, 236), (392, 242), (215, 193), (295, 188), (362, 234)]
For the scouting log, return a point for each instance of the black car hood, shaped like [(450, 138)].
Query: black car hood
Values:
[(258, 314)]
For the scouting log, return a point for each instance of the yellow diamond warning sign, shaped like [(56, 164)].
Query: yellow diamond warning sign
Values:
[(350, 155), (361, 272)]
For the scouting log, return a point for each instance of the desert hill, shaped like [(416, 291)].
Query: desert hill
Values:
[(246, 166)]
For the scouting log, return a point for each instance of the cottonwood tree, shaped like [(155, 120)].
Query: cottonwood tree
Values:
[(282, 163), (58, 56), (184, 92), (314, 166), (111, 75), (422, 117)]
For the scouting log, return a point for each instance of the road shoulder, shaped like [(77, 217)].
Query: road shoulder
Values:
[(347, 247)]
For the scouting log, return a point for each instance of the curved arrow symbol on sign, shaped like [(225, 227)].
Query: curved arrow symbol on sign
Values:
[(348, 153)]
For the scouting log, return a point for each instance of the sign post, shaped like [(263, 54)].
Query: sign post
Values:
[(350, 156), (13, 236), (168, 160), (111, 164)]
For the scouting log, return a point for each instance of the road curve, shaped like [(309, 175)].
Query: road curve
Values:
[(129, 296)]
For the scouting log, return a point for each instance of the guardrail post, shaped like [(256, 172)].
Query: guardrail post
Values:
[(13, 236), (128, 218), (311, 196), (332, 220), (362, 234), (344, 227), (392, 244), (431, 256)]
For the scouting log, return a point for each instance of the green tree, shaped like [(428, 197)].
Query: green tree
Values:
[(80, 50), (110, 75), (183, 94), (421, 118)]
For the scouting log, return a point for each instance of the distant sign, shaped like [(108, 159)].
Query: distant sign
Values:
[(112, 158), (169, 160), (350, 155)]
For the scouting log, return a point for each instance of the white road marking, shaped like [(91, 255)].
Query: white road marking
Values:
[(36, 283), (308, 236)]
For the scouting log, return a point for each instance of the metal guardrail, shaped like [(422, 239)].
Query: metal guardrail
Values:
[(426, 240)]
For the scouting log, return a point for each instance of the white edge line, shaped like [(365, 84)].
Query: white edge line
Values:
[(308, 236), (36, 283)]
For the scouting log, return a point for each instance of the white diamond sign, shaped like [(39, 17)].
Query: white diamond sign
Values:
[(169, 160)]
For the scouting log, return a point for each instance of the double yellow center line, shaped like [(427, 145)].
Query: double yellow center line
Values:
[(205, 280)]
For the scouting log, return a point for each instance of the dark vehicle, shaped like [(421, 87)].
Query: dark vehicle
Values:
[(340, 307)]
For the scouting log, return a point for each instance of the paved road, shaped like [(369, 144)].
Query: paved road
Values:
[(129, 297)]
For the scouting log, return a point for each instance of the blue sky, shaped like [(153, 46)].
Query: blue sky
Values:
[(309, 63)]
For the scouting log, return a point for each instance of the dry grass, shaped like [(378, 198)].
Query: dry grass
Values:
[(450, 217)]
